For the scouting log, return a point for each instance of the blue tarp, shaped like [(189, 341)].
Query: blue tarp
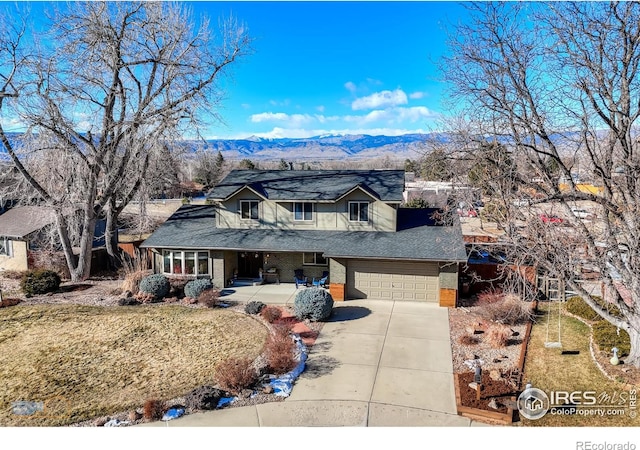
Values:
[(283, 384), (173, 413)]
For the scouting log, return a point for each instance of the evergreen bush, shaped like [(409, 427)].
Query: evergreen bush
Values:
[(314, 304), (40, 282), (157, 285), (194, 288)]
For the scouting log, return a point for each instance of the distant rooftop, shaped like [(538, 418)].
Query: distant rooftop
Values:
[(21, 221)]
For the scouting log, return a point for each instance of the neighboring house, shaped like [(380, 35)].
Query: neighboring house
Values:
[(25, 230), (345, 222), (20, 227)]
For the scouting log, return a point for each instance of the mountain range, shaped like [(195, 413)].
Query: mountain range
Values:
[(325, 147)]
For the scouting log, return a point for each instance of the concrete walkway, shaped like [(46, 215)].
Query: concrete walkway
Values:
[(375, 363)]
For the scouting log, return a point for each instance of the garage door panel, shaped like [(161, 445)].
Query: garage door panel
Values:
[(393, 280)]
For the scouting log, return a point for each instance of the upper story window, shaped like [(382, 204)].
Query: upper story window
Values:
[(302, 211), (358, 211), (249, 209), (5, 246)]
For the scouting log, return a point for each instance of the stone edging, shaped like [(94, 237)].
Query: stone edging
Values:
[(592, 346)]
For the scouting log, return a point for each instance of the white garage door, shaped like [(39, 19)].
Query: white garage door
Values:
[(393, 280)]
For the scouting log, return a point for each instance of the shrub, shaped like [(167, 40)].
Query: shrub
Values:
[(177, 286), (209, 298), (509, 310), (578, 307), (280, 351), (132, 280), (467, 339), (314, 304), (271, 313), (40, 282), (254, 307), (204, 397), (153, 409), (194, 288), (156, 285), (498, 336), (235, 374), (606, 336), (490, 296)]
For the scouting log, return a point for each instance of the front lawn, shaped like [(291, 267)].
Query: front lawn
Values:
[(83, 362), (548, 369)]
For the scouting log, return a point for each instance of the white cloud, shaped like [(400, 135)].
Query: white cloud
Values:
[(291, 120), (268, 117), (416, 95), (351, 86), (382, 99), (285, 102), (320, 108), (392, 115)]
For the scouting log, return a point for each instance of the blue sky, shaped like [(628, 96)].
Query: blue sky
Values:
[(330, 67), (336, 67)]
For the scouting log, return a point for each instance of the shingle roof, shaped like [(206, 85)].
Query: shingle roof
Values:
[(21, 221), (417, 238), (318, 185)]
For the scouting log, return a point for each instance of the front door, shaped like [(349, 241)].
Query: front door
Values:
[(249, 264)]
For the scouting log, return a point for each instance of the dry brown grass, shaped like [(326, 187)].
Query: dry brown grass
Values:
[(93, 361)]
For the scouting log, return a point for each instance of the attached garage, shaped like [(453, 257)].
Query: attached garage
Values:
[(393, 280)]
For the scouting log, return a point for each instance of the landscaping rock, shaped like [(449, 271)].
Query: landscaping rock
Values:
[(495, 375), (9, 302), (128, 301), (204, 397), (101, 421)]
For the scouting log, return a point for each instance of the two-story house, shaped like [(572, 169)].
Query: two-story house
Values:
[(345, 222)]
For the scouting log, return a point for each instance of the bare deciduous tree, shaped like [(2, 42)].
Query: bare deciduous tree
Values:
[(101, 95), (558, 85)]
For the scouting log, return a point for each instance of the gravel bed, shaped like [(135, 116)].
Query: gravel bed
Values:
[(464, 321)]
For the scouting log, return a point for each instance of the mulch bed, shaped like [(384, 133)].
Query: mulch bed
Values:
[(497, 389)]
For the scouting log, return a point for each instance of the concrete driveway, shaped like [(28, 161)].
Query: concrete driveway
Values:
[(375, 363)]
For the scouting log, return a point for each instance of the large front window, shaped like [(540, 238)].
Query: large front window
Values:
[(303, 211), (185, 263), (359, 211), (313, 259), (249, 209)]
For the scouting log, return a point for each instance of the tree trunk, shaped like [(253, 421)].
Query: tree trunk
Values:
[(634, 335), (111, 237)]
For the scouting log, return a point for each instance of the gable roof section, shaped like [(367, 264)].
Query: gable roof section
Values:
[(310, 185), (417, 238), (21, 221)]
